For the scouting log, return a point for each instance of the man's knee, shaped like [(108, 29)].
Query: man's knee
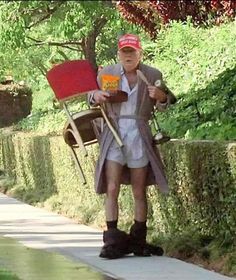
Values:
[(113, 190), (139, 193)]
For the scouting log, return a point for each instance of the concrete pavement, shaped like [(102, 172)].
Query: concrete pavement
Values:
[(41, 229)]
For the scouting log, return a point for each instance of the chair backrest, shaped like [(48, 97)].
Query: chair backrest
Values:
[(72, 78)]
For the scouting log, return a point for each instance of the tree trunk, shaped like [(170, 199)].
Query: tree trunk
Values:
[(89, 43)]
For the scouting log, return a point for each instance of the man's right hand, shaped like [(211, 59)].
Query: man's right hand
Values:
[(101, 96)]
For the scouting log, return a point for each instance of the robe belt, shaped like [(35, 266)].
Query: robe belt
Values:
[(135, 117)]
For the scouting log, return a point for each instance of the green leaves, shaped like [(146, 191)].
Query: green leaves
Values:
[(199, 66)]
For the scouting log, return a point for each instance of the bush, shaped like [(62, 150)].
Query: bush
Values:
[(199, 66), (202, 178)]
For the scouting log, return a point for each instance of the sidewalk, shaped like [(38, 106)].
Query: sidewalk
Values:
[(37, 228)]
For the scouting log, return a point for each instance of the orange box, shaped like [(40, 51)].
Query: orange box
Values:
[(110, 82)]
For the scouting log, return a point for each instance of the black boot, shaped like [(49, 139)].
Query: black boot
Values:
[(138, 244), (116, 244), (138, 233), (155, 250)]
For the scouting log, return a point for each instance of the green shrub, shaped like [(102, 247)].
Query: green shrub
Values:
[(199, 66), (202, 178)]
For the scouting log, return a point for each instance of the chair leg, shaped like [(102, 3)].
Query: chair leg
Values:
[(75, 130), (81, 173)]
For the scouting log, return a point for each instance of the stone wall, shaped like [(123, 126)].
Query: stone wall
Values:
[(15, 103)]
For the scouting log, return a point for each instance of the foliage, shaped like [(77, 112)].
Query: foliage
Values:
[(209, 252), (152, 14), (48, 32), (197, 63), (199, 66), (35, 35)]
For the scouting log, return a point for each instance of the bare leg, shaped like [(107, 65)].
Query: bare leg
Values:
[(116, 242), (113, 174), (138, 181)]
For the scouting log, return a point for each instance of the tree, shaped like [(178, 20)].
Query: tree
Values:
[(63, 26), (152, 14)]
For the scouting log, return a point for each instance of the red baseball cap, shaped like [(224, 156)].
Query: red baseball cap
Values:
[(129, 40)]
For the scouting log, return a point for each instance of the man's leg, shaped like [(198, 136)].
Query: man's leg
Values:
[(116, 242), (138, 230), (113, 174), (138, 182)]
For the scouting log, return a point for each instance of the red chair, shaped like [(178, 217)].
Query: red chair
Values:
[(69, 80)]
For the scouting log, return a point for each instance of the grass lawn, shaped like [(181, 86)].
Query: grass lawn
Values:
[(7, 275)]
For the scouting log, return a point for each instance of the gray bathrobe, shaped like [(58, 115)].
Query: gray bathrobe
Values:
[(145, 105)]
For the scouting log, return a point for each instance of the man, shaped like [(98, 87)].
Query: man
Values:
[(138, 162)]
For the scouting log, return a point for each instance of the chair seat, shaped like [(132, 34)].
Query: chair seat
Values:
[(84, 121)]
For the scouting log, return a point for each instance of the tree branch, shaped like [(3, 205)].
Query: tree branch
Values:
[(53, 43), (49, 13), (99, 23), (66, 42)]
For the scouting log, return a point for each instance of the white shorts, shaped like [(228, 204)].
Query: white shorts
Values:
[(124, 157)]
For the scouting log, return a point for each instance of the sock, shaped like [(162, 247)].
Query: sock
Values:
[(111, 224), (140, 224)]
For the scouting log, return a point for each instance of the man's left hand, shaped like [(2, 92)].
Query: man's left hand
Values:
[(157, 94)]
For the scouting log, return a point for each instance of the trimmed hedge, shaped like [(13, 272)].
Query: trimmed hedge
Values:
[(202, 177)]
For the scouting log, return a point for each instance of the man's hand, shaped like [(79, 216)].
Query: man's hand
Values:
[(101, 96), (157, 94)]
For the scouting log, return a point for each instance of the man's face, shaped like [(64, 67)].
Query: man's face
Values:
[(129, 58)]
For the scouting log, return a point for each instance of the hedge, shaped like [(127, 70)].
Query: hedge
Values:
[(201, 174)]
